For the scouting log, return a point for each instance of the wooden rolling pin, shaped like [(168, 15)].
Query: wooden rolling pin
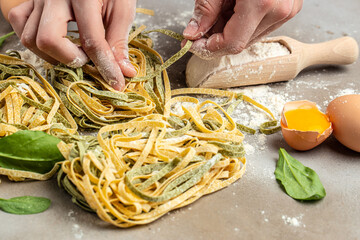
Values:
[(214, 74)]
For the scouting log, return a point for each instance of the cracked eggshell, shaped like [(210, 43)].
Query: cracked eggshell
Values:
[(344, 113), (302, 140)]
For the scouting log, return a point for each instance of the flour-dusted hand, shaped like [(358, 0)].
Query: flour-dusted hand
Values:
[(221, 27), (103, 26)]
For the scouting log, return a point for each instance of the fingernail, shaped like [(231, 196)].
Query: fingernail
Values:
[(191, 29), (129, 70), (199, 48), (117, 85), (129, 65), (78, 61)]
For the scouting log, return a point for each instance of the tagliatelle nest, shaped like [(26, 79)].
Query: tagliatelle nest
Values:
[(26, 104), (136, 172)]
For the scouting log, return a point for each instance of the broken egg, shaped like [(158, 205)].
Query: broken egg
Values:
[(344, 113), (303, 125)]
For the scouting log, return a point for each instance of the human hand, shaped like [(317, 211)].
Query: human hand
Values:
[(221, 27), (103, 25)]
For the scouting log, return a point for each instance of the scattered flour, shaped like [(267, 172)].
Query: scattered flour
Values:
[(177, 107), (71, 215), (264, 215), (341, 92), (76, 230), (249, 149), (293, 221), (347, 91), (252, 116), (24, 88), (29, 57), (78, 233), (261, 142)]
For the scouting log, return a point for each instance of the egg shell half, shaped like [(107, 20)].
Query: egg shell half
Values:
[(302, 140), (344, 113)]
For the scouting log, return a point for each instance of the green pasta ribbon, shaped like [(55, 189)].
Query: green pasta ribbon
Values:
[(269, 128), (176, 187)]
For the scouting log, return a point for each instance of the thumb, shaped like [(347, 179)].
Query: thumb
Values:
[(206, 13), (117, 33)]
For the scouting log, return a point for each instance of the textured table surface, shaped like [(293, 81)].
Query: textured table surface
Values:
[(255, 207)]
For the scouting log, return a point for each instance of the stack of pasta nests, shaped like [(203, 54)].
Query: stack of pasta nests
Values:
[(146, 159)]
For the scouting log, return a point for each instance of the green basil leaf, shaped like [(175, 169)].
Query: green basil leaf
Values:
[(2, 38), (32, 151), (300, 182), (24, 205)]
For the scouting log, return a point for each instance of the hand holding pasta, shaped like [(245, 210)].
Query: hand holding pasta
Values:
[(103, 26), (229, 26)]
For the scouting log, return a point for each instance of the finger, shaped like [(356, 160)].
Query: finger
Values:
[(217, 28), (264, 34), (19, 15), (238, 30), (92, 35), (225, 15), (237, 33), (219, 25), (28, 36), (199, 48), (277, 14), (51, 37), (206, 12), (117, 33), (258, 35)]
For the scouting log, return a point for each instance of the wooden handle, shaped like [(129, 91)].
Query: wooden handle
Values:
[(340, 51)]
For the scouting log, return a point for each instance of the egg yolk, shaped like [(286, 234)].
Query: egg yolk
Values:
[(307, 120)]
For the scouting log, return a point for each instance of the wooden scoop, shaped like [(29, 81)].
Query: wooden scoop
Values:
[(213, 73)]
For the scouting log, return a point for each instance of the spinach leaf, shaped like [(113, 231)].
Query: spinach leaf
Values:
[(32, 151), (300, 182), (2, 38), (24, 205)]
